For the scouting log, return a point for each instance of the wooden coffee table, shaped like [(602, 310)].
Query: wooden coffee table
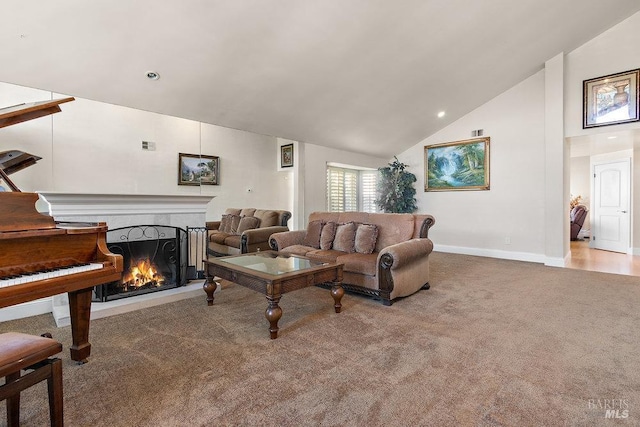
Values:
[(273, 274)]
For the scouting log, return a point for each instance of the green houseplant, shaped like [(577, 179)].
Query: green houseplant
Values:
[(396, 193)]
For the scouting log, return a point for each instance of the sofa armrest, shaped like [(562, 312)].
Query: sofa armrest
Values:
[(279, 241), (403, 268), (212, 225), (404, 253), (258, 235)]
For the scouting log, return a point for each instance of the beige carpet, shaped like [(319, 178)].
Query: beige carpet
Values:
[(492, 343)]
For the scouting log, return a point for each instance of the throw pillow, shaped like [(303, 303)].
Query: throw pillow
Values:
[(247, 223), (345, 237), (366, 236), (225, 224), (235, 221), (327, 235), (312, 238)]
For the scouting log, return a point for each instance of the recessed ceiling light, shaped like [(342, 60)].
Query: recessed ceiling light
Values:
[(153, 75), (441, 114), (612, 137)]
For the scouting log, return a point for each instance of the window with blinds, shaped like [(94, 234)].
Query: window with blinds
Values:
[(350, 190)]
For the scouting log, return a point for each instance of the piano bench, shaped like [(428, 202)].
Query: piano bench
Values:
[(28, 352)]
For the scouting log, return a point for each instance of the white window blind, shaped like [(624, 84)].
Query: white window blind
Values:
[(369, 180), (350, 190)]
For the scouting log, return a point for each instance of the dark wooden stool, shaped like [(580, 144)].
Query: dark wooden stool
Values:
[(28, 352)]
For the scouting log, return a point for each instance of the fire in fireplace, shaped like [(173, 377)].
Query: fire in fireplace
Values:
[(155, 258), (142, 274)]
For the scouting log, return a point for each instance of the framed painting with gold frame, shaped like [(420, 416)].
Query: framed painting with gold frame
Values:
[(457, 165)]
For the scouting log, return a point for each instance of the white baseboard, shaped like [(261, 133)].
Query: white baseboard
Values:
[(493, 253), (27, 309), (103, 309), (100, 310)]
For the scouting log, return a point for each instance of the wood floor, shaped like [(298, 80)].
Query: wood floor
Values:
[(583, 258)]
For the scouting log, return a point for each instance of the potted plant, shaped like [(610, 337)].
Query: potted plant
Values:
[(396, 193)]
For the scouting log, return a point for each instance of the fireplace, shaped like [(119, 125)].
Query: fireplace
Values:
[(124, 210), (155, 258)]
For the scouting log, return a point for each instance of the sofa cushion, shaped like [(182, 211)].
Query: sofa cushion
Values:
[(392, 228), (297, 250), (232, 211), (312, 238), (360, 263), (324, 216), (218, 237), (247, 212), (366, 236), (267, 218), (327, 235), (345, 237), (247, 223), (233, 240), (324, 256)]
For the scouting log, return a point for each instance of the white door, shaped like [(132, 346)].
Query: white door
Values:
[(611, 216)]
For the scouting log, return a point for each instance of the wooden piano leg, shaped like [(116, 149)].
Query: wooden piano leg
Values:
[(80, 311)]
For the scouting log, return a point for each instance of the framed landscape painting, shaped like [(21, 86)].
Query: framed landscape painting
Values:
[(194, 169), (611, 100), (458, 165)]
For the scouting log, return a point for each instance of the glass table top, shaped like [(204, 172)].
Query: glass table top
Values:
[(271, 263)]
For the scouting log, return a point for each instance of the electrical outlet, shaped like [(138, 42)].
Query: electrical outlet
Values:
[(148, 145)]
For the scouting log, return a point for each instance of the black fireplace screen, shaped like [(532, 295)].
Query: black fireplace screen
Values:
[(155, 258)]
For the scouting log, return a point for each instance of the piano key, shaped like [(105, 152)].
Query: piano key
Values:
[(48, 274)]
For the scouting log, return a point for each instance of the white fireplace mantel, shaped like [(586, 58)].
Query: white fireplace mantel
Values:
[(125, 210), (76, 204)]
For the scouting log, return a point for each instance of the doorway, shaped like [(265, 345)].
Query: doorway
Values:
[(587, 151)]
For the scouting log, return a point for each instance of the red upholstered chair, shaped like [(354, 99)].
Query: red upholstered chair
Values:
[(577, 217), (20, 352)]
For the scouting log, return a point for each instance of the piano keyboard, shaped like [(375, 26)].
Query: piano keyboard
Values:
[(48, 274)]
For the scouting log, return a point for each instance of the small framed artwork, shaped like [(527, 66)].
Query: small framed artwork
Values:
[(611, 100), (286, 156), (195, 169), (458, 165)]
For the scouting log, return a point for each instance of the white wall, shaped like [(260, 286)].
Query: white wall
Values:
[(482, 222), (93, 147), (614, 51), (515, 207)]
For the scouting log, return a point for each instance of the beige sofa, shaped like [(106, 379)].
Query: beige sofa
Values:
[(398, 262), (244, 230)]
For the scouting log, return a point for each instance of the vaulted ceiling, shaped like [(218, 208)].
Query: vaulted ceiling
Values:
[(367, 76)]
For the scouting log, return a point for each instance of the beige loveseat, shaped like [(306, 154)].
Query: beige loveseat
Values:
[(386, 257), (244, 230)]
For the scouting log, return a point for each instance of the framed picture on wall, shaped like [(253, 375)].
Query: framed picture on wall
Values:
[(458, 165), (286, 156), (195, 169), (611, 100)]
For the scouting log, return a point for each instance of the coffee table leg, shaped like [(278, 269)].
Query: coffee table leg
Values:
[(209, 287), (337, 292), (273, 314)]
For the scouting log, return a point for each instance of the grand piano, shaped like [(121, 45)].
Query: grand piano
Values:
[(41, 257)]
